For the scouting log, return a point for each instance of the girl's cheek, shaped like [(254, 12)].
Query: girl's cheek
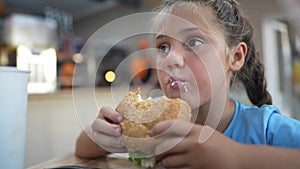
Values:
[(161, 75)]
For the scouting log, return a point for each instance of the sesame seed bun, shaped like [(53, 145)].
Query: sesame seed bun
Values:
[(141, 115)]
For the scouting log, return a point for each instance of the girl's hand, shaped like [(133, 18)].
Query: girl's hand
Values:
[(106, 131), (184, 150)]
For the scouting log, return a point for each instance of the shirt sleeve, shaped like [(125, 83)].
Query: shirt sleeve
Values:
[(283, 131)]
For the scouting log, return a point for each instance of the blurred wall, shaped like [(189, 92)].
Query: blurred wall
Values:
[(54, 121), (257, 11), (52, 127)]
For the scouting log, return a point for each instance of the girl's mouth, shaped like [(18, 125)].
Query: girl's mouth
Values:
[(175, 83)]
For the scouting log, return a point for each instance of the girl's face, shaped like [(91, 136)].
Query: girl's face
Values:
[(191, 58)]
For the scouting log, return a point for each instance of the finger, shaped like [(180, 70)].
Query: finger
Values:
[(104, 127), (106, 141), (89, 131), (110, 115), (171, 146), (175, 161), (117, 150), (113, 150), (172, 127)]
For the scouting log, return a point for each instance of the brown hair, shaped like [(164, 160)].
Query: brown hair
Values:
[(237, 28)]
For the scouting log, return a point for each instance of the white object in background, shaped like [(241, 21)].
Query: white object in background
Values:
[(13, 108), (42, 66), (278, 63)]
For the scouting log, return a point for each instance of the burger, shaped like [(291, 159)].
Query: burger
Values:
[(139, 118)]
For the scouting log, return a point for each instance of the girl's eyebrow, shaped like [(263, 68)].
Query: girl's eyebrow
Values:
[(186, 30), (159, 36), (192, 29)]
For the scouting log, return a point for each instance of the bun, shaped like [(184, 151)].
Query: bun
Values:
[(141, 115)]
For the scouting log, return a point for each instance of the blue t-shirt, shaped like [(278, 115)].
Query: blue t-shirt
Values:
[(263, 125)]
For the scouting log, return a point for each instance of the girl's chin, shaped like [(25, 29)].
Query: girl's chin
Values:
[(184, 96), (193, 101), (174, 94)]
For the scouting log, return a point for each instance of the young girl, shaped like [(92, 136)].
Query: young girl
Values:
[(204, 59)]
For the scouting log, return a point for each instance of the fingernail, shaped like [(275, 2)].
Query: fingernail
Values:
[(119, 118)]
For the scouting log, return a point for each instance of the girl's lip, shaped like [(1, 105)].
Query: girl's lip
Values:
[(176, 83), (174, 79)]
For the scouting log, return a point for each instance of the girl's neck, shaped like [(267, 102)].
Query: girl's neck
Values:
[(225, 118)]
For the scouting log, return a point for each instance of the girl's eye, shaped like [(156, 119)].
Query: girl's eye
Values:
[(194, 42), (165, 48)]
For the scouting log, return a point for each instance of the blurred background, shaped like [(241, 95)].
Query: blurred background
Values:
[(46, 37)]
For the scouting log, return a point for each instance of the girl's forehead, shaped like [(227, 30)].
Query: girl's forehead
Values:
[(187, 16)]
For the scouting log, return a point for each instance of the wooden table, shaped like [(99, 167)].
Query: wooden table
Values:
[(71, 159)]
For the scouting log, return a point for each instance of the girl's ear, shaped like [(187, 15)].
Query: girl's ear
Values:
[(238, 58)]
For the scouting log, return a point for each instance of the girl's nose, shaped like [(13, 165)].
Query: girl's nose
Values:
[(175, 60)]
